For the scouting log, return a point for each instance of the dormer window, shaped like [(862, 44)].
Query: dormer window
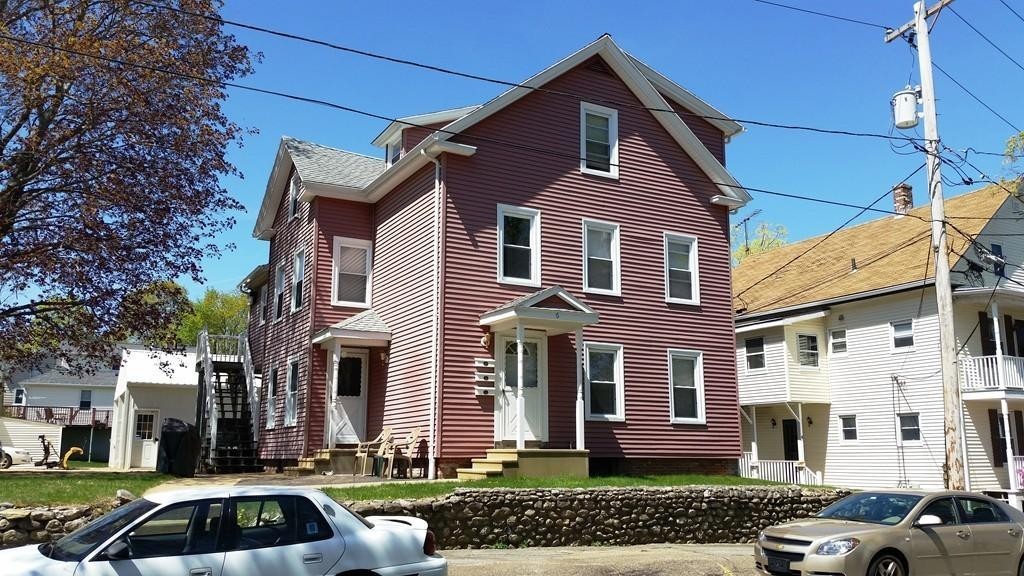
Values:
[(393, 150), (599, 140)]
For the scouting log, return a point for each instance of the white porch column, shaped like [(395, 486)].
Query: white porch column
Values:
[(579, 389), (800, 432), (1011, 469), (520, 402), (753, 441), (999, 346)]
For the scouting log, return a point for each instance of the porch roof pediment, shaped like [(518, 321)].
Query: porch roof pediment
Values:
[(553, 310), (364, 329)]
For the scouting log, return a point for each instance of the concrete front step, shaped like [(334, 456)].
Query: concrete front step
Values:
[(477, 474), (492, 464)]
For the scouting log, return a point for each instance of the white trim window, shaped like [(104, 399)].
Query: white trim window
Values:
[(681, 282), (85, 400), (272, 399), (902, 334), (518, 245), (686, 386), (293, 196), (261, 305), (604, 380), (848, 428), (754, 348), (601, 262), (291, 393), (807, 350), (19, 396), (279, 292), (599, 140), (837, 341), (910, 427), (393, 151), (298, 273), (353, 266)]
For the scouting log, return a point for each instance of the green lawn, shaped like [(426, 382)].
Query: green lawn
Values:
[(54, 488), (395, 491)]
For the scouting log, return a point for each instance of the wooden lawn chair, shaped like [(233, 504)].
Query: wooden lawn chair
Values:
[(401, 451), (365, 451)]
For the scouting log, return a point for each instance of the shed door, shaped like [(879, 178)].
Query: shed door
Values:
[(145, 439)]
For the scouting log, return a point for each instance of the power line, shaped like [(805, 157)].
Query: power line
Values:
[(1010, 8), (986, 38), (824, 14), (509, 84), (975, 96)]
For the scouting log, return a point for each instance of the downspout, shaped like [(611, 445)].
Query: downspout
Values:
[(434, 321)]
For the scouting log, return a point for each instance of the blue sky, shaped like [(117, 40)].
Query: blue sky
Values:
[(750, 60)]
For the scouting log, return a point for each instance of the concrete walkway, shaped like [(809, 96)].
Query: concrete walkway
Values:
[(648, 560)]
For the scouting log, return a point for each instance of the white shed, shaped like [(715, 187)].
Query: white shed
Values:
[(151, 386), (24, 434)]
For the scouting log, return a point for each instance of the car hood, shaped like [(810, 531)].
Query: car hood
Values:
[(815, 529), (28, 561)]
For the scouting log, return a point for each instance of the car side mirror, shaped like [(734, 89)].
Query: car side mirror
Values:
[(928, 520), (118, 551)]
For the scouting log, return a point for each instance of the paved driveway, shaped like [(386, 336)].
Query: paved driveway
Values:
[(649, 560)]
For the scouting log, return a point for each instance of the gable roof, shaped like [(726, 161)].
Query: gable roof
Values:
[(367, 321), (534, 298), (890, 254), (450, 115)]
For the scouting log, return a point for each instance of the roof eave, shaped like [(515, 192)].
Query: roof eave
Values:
[(424, 152), (745, 318), (399, 124), (275, 183)]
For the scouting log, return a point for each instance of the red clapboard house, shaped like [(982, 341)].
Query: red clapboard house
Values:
[(547, 273)]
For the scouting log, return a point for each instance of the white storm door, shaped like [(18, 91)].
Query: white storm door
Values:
[(144, 438), (535, 388), (348, 396)]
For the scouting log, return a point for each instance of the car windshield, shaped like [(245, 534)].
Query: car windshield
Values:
[(874, 507), (75, 546)]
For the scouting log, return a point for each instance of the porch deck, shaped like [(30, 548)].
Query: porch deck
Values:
[(61, 415)]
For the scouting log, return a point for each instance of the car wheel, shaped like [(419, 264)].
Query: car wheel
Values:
[(886, 565), (5, 462)]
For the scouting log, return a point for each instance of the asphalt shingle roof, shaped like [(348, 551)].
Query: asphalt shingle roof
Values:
[(889, 251), (366, 321), (318, 163)]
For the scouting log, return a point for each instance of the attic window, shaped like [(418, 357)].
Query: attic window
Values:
[(393, 150), (599, 140), (293, 196)]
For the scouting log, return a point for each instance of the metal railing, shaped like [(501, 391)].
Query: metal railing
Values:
[(62, 415), (784, 471), (982, 373)]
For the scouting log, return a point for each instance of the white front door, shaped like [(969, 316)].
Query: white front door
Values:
[(535, 388), (144, 438), (348, 396)]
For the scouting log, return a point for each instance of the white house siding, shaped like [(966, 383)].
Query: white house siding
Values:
[(769, 439), (17, 433), (767, 385), (67, 395), (1003, 229), (806, 383), (862, 385)]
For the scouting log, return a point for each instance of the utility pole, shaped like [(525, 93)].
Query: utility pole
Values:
[(953, 471)]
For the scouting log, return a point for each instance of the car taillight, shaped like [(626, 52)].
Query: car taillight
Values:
[(429, 544)]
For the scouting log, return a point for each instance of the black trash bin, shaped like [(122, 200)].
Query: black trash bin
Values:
[(178, 453)]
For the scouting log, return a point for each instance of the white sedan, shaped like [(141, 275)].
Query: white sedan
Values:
[(12, 456), (235, 532)]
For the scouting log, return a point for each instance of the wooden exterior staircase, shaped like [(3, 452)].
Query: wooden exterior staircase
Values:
[(223, 405)]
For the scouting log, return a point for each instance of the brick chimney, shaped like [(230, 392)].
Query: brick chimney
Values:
[(902, 198)]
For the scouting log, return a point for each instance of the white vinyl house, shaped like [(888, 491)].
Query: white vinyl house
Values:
[(838, 352), (151, 387)]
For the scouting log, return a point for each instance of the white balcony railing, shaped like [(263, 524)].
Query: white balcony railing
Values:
[(784, 471), (982, 373), (1018, 470)]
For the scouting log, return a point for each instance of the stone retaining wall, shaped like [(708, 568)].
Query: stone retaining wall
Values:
[(19, 526), (486, 518)]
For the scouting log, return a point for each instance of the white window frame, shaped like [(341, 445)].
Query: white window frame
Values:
[(832, 340), (842, 429), (817, 352), (899, 428), (24, 396), (620, 382), (291, 417), (698, 381), (82, 398), (293, 196), (262, 305), (892, 336), (613, 139), (272, 399), (763, 353), (298, 281), (616, 289), (694, 273), (279, 281), (391, 146), (535, 248), (367, 245)]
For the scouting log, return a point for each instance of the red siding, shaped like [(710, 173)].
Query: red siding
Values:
[(403, 298), (414, 135), (710, 136), (335, 218), (289, 336), (659, 189)]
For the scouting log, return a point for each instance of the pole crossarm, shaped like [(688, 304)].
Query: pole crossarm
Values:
[(891, 35)]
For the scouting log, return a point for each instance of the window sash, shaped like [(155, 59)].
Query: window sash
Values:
[(19, 396), (291, 395), (681, 269), (279, 293), (755, 353), (601, 257), (352, 268), (272, 398), (848, 425), (903, 334), (599, 134), (293, 197), (686, 380), (838, 341), (518, 245), (807, 350), (85, 399), (910, 427), (298, 273), (604, 381)]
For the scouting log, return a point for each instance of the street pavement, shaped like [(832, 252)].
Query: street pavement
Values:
[(648, 560)]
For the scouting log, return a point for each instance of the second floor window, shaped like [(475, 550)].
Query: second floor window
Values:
[(599, 140), (279, 292), (85, 400), (755, 353), (19, 396), (352, 266), (518, 245), (291, 394), (807, 349), (681, 284), (910, 427), (903, 334), (272, 399), (298, 273), (261, 304), (601, 257), (293, 196), (838, 341)]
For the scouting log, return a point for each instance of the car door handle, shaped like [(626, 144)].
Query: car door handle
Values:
[(200, 572), (312, 558), (963, 534)]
